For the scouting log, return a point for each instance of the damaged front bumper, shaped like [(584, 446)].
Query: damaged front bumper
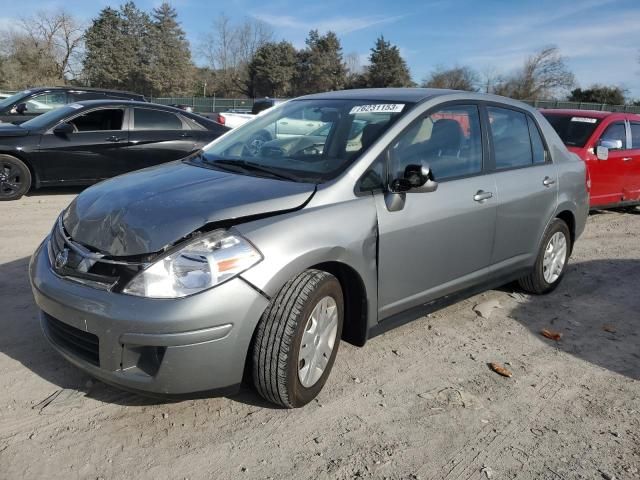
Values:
[(162, 346)]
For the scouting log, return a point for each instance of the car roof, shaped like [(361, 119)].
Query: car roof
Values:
[(578, 112), (384, 94), (82, 89), (117, 101)]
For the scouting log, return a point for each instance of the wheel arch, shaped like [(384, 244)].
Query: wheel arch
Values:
[(354, 330)]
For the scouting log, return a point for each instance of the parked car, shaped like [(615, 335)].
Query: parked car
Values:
[(85, 142), (609, 143), (30, 103), (234, 118), (176, 278)]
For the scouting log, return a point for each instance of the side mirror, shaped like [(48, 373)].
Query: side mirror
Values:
[(417, 179), (63, 129), (19, 109), (602, 153)]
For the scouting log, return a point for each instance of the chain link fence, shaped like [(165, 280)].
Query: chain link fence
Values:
[(208, 104), (214, 104), (241, 105), (555, 104)]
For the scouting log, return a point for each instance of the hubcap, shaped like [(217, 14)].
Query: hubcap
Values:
[(318, 340), (10, 179), (554, 257)]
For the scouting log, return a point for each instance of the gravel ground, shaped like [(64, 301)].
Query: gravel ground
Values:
[(417, 402)]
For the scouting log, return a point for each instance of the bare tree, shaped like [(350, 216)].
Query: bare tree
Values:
[(490, 79), (456, 78), (544, 75), (228, 50), (59, 36)]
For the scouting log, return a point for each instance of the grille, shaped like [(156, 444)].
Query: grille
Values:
[(85, 266), (73, 340)]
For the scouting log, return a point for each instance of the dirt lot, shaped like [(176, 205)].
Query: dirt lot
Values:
[(417, 402)]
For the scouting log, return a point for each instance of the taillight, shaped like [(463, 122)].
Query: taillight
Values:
[(587, 179), (221, 120)]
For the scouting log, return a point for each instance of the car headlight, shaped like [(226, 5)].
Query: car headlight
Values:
[(199, 265)]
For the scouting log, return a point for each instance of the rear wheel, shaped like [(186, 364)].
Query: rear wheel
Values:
[(15, 178), (552, 260), (297, 339)]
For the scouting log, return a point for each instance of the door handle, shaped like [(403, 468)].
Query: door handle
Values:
[(548, 181), (626, 159), (113, 138), (481, 196)]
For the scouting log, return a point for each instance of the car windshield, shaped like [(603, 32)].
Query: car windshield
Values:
[(51, 118), (574, 130), (304, 140), (13, 99)]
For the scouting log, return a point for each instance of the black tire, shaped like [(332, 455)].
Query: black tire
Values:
[(279, 334), (535, 281), (15, 178)]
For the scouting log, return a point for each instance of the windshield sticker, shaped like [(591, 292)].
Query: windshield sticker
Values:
[(378, 108), (584, 119), (74, 105)]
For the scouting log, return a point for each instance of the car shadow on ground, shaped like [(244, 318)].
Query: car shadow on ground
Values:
[(595, 308)]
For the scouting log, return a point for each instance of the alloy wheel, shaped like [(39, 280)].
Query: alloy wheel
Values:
[(555, 256), (318, 341)]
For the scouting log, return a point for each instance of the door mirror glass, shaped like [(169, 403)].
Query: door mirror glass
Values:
[(63, 129), (19, 109), (611, 144), (602, 152), (417, 178)]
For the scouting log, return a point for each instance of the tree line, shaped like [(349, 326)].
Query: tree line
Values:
[(147, 52)]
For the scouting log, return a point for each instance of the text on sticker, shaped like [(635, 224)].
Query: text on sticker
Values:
[(584, 119), (378, 108)]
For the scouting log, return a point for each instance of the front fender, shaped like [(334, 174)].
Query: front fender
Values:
[(344, 232)]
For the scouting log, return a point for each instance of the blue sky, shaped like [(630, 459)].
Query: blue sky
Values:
[(600, 38)]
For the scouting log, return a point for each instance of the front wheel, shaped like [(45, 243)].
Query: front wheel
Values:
[(551, 261), (297, 339), (15, 178)]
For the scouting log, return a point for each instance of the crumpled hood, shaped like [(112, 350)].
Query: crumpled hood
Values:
[(144, 211)]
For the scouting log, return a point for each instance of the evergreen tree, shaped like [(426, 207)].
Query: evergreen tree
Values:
[(272, 70), (321, 67), (387, 67), (105, 62), (611, 95), (117, 49), (170, 70)]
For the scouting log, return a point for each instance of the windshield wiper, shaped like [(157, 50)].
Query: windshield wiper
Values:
[(243, 165)]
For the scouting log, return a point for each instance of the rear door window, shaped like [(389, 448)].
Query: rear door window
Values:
[(616, 132), (148, 119), (511, 140), (99, 120)]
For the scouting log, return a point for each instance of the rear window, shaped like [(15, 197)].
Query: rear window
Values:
[(144, 119), (574, 130)]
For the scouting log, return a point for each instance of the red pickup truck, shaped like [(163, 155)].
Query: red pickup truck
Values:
[(609, 143)]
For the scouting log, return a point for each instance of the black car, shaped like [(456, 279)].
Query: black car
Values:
[(85, 142), (27, 104)]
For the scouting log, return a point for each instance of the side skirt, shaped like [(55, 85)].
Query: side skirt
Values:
[(420, 311)]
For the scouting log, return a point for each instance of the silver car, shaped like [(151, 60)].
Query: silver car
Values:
[(180, 278)]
